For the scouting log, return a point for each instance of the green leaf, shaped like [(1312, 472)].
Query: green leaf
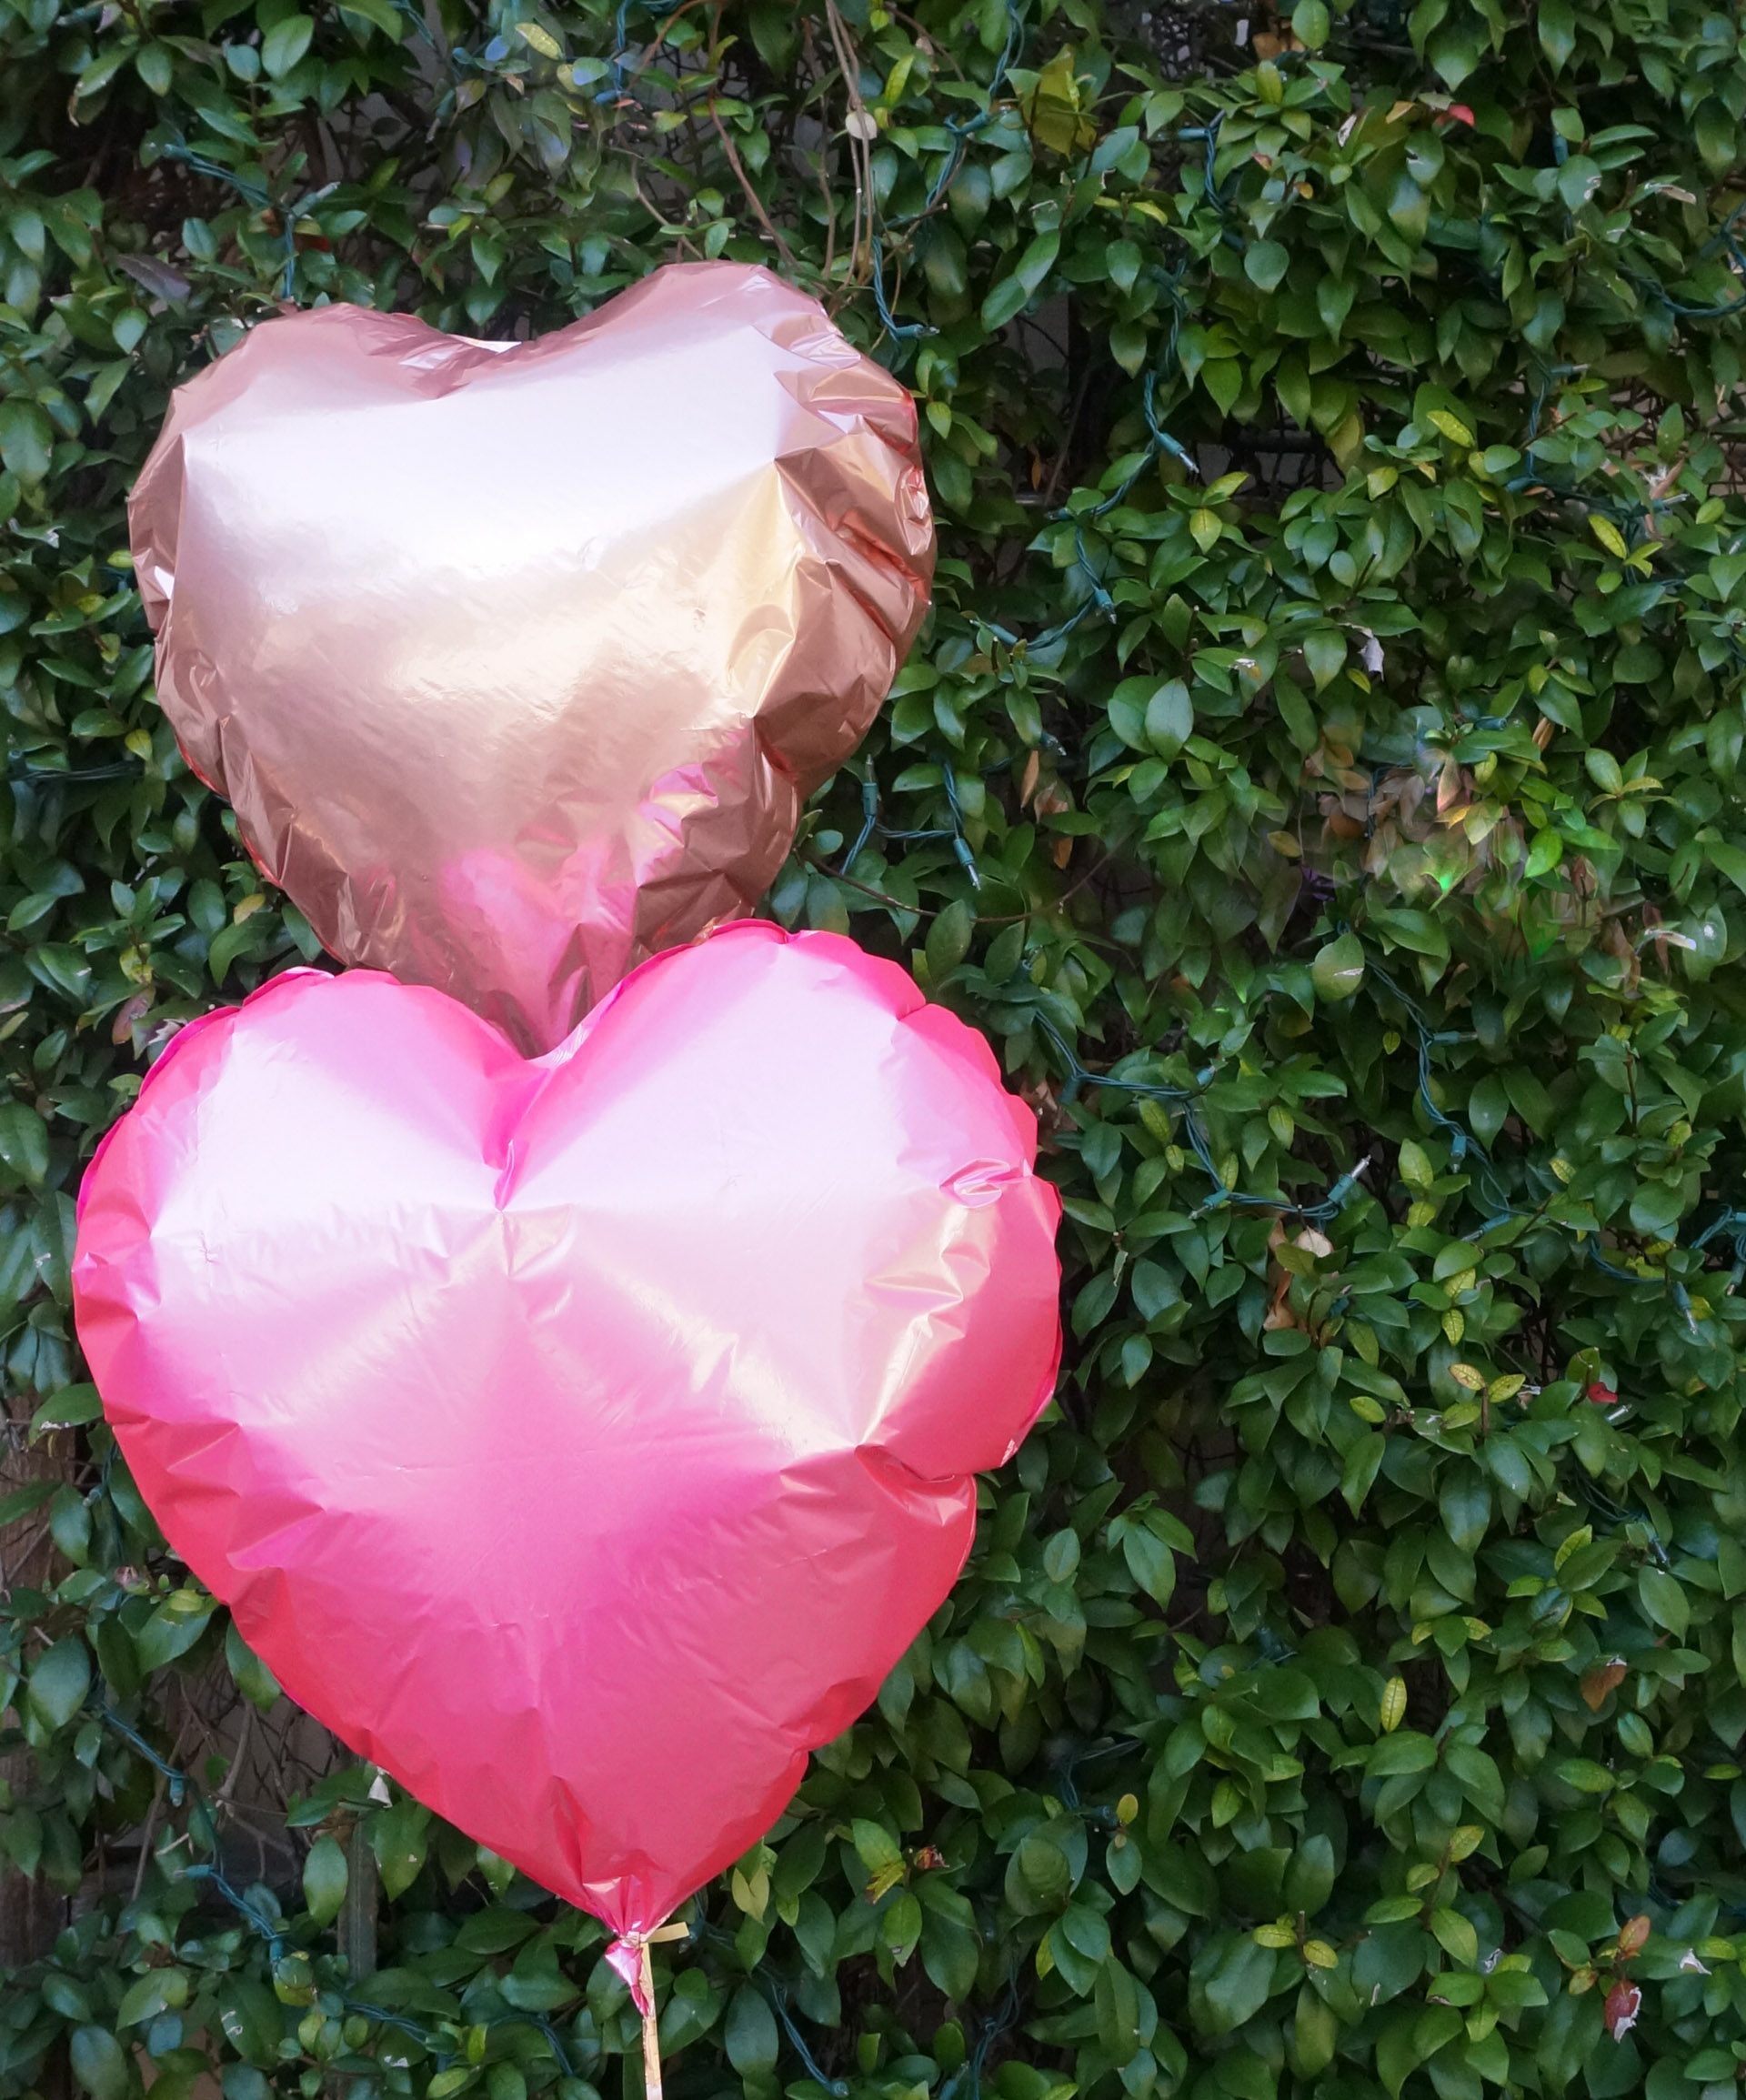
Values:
[(950, 1955), (1396, 2052), (1657, 1209), (1729, 861), (59, 1679), (948, 940), (24, 1142), (1037, 261), (1556, 20), (1409, 210), (22, 1501), (1364, 1457), (71, 1408), (1040, 1877), (1315, 2033), (1338, 968), (174, 1628), (1586, 1776), (99, 2063), (1087, 1931), (1238, 1983), (1529, 1098), (1266, 263), (324, 1879), (1717, 139), (1324, 650), (399, 1836), (1664, 1601), (1456, 1936), (252, 1678), (750, 2032), (1487, 1106), (1170, 719), (284, 44), (1129, 344), (1117, 2002), (1004, 303), (155, 66), (1404, 1751), (1603, 771), (26, 439), (1150, 1563), (1309, 1879), (900, 1925), (877, 1848), (1223, 379), (148, 1995), (1464, 1504)]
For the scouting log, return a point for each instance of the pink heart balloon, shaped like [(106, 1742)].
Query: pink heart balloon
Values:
[(581, 1440), (518, 660)]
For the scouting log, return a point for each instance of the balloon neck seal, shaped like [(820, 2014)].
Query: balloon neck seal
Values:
[(629, 1956)]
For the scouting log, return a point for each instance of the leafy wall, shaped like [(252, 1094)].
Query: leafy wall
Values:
[(1320, 778)]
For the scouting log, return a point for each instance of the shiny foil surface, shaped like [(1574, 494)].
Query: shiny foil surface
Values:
[(517, 659), (583, 1440)]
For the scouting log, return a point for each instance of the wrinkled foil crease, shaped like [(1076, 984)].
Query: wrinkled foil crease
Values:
[(518, 661), (583, 1440)]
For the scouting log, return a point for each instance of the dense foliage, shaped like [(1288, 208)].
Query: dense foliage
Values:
[(1321, 778)]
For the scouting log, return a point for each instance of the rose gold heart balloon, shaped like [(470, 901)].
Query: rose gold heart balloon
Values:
[(517, 659)]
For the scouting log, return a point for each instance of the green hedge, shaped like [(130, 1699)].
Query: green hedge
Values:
[(1320, 778)]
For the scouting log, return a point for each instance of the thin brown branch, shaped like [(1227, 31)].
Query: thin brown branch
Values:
[(659, 36), (150, 1829), (665, 225), (927, 911), (752, 198), (860, 157), (817, 73), (229, 1787)]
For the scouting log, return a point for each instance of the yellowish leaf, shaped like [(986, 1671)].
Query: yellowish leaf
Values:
[(1608, 534), (1204, 528)]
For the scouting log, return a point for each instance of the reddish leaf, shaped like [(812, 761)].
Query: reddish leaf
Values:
[(1601, 1680)]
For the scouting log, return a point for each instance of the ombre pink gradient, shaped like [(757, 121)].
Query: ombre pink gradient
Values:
[(583, 1439)]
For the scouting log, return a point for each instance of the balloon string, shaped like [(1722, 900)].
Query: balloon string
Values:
[(629, 1955), (651, 2033)]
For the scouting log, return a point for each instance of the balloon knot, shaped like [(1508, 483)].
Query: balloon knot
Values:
[(625, 1957)]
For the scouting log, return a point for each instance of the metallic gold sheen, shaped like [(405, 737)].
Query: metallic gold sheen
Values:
[(517, 659)]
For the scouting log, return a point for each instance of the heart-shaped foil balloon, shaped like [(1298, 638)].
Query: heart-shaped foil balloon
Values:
[(582, 1440), (517, 659)]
